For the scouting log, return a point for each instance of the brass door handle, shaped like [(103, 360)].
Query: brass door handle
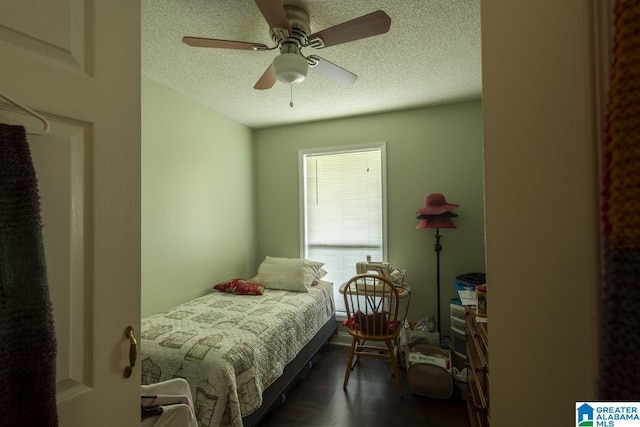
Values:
[(133, 351)]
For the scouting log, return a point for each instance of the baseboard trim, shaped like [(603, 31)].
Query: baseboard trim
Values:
[(341, 338)]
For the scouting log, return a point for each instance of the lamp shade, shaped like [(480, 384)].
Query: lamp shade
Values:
[(290, 67), (436, 223)]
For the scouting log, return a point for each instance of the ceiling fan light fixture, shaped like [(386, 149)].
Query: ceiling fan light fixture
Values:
[(290, 67)]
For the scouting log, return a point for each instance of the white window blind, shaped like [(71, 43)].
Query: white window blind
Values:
[(343, 211)]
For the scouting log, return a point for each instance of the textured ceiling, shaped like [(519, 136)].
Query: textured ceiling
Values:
[(430, 56)]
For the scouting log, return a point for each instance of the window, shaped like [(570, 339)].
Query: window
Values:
[(343, 209)]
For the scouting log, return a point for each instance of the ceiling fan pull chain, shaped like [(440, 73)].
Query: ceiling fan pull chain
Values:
[(291, 94)]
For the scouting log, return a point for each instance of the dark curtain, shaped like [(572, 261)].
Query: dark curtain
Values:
[(619, 369)]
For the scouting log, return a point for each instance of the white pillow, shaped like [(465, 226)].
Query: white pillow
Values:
[(317, 279), (290, 274)]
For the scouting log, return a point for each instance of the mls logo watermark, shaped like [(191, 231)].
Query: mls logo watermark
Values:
[(607, 414)]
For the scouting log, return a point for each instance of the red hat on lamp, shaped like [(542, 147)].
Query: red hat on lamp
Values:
[(436, 204), (436, 212)]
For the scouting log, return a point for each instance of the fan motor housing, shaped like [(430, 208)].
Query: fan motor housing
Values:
[(299, 19)]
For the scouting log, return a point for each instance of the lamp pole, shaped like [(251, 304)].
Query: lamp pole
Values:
[(438, 248)]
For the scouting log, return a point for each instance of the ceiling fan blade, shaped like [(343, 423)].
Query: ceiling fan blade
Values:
[(375, 23), (333, 72), (274, 14), (223, 44), (267, 80)]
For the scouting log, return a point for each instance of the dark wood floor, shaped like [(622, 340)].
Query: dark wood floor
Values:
[(371, 399)]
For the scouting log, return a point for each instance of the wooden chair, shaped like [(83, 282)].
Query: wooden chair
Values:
[(372, 316)]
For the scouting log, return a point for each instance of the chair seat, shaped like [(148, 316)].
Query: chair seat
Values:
[(356, 330)]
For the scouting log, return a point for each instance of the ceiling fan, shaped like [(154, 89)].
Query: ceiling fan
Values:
[(289, 29)]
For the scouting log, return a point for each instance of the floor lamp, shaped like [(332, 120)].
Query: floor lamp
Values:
[(436, 214)]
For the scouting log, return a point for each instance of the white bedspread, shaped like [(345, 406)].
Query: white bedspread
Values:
[(231, 347)]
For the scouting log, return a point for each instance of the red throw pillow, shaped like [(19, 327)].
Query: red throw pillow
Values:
[(240, 287)]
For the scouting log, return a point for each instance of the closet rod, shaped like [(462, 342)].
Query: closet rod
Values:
[(26, 109)]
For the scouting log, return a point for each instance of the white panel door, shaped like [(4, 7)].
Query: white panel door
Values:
[(77, 62)]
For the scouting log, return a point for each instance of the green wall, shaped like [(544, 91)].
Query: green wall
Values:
[(429, 150), (198, 225), (218, 197)]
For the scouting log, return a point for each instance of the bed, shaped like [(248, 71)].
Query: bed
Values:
[(238, 352)]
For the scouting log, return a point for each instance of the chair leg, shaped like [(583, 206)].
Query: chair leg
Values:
[(349, 363), (394, 365), (356, 356)]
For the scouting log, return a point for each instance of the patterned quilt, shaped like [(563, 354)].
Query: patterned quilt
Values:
[(231, 347)]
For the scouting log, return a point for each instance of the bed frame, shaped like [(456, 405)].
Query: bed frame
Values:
[(275, 393)]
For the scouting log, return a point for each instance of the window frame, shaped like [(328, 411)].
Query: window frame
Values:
[(302, 153)]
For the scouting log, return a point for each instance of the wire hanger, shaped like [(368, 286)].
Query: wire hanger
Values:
[(26, 109)]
